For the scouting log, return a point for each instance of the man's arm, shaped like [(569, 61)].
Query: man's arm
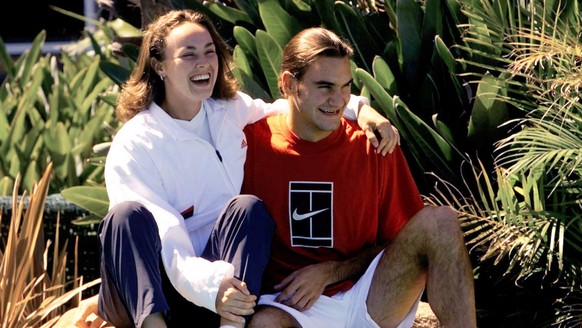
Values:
[(301, 289)]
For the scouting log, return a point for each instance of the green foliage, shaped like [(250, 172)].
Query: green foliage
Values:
[(529, 216), (51, 112), (461, 80)]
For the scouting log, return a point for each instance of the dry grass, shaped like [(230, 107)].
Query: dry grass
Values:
[(30, 294)]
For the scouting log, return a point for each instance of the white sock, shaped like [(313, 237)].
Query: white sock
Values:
[(227, 326)]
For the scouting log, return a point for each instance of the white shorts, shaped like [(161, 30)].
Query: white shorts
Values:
[(347, 309)]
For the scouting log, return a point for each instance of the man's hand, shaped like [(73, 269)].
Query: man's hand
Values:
[(377, 126), (234, 300), (301, 289)]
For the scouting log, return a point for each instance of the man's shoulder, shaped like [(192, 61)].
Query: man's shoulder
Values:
[(266, 123), (354, 132)]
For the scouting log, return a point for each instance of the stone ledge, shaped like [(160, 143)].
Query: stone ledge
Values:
[(425, 317)]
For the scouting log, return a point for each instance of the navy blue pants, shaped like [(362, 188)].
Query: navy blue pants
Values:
[(133, 280)]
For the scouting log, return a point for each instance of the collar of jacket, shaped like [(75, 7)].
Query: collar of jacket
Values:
[(169, 125)]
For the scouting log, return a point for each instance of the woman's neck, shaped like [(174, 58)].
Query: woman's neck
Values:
[(182, 111)]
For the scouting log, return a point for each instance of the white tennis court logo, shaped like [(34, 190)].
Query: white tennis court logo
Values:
[(311, 214)]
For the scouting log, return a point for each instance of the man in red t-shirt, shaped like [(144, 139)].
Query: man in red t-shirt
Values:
[(354, 244)]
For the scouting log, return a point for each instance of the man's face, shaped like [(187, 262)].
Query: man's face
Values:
[(320, 98)]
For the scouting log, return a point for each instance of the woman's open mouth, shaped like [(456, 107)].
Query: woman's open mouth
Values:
[(201, 78)]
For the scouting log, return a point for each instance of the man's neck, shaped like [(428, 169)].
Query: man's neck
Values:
[(307, 132)]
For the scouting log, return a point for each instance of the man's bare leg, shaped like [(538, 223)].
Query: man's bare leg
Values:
[(272, 317), (429, 250), (154, 320)]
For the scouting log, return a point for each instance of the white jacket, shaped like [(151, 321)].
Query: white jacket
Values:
[(169, 170)]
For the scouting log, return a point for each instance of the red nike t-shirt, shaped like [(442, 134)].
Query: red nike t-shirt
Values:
[(329, 199)]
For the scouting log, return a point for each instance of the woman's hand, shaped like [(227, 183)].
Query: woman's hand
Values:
[(233, 300), (84, 316), (377, 126)]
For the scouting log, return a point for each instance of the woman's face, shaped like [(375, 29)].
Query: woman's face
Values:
[(189, 68)]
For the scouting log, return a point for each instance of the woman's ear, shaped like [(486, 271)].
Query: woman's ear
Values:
[(157, 66)]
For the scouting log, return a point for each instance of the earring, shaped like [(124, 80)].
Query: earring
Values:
[(161, 77)]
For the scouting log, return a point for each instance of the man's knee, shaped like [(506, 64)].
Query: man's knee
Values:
[(438, 219), (269, 316)]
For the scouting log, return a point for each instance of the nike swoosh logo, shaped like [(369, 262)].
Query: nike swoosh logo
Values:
[(299, 217)]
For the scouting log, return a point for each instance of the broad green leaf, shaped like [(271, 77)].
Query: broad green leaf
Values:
[(198, 6), (251, 87), (69, 69), (74, 15), (120, 28), (4, 125), (326, 14), (32, 174), (27, 142), (57, 139), (92, 199), (245, 75), (391, 14), (410, 15), (431, 25), (250, 8), (383, 75), (230, 14), (246, 40), (429, 145), (443, 129), (88, 135), (117, 73), (241, 60), (96, 91), (489, 112), (86, 220), (6, 186), (445, 55), (6, 60), (381, 96), (379, 29), (16, 131), (110, 98), (354, 30), (356, 83), (279, 24), (95, 45), (270, 55), (88, 79), (31, 57), (131, 50)]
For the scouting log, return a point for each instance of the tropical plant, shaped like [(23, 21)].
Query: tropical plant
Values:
[(34, 295), (55, 108), (526, 217)]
